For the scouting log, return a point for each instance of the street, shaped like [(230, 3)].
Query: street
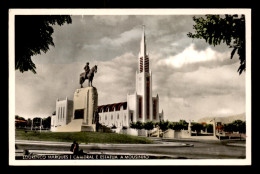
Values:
[(187, 149)]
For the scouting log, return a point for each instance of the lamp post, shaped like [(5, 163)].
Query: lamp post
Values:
[(41, 125), (32, 124), (214, 127), (189, 128)]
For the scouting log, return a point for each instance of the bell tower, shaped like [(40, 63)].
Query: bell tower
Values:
[(144, 82)]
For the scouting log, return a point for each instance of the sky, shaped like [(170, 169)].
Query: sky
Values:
[(193, 80)]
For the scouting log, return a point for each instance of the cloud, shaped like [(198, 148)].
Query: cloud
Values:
[(191, 56), (116, 78), (123, 38), (111, 20), (207, 91)]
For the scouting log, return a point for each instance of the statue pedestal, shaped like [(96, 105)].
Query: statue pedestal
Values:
[(85, 104)]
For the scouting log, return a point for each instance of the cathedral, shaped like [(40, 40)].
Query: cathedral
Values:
[(141, 105), (79, 114)]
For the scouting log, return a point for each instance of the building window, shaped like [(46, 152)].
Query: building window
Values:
[(140, 107), (141, 64), (117, 116), (132, 117), (154, 109), (105, 117), (79, 114), (59, 113), (148, 96), (111, 117), (63, 112)]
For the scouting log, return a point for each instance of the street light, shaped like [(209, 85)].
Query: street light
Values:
[(41, 125), (32, 124)]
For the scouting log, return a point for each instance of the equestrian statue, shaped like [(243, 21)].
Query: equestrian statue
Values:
[(88, 74)]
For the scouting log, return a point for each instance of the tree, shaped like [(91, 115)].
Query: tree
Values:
[(196, 127), (36, 121), (239, 126), (235, 126), (20, 121), (19, 118), (164, 125), (33, 35), (228, 127), (229, 29), (149, 125), (139, 125), (208, 127), (133, 125), (182, 124), (46, 122), (136, 125)]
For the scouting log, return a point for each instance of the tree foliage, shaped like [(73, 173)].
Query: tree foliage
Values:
[(149, 125), (235, 126), (197, 127), (136, 125), (182, 124), (19, 117), (46, 122), (164, 125), (33, 35), (36, 121), (209, 127), (229, 29)]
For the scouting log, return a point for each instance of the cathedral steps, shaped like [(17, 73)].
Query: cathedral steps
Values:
[(73, 126)]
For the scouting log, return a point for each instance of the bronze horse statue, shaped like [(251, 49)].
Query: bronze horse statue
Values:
[(89, 76)]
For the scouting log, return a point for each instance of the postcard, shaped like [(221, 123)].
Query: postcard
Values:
[(129, 87)]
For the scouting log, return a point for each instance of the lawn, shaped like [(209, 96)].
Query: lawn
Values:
[(81, 137)]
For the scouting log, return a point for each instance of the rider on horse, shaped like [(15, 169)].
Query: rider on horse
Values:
[(86, 68), (88, 74)]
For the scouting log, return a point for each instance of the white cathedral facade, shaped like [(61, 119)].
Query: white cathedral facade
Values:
[(141, 105)]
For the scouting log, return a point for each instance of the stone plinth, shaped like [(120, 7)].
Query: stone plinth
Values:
[(85, 104)]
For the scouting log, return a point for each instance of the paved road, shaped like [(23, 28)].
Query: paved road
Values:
[(177, 149)]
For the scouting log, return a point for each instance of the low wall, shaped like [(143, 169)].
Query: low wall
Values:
[(129, 131), (176, 134)]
